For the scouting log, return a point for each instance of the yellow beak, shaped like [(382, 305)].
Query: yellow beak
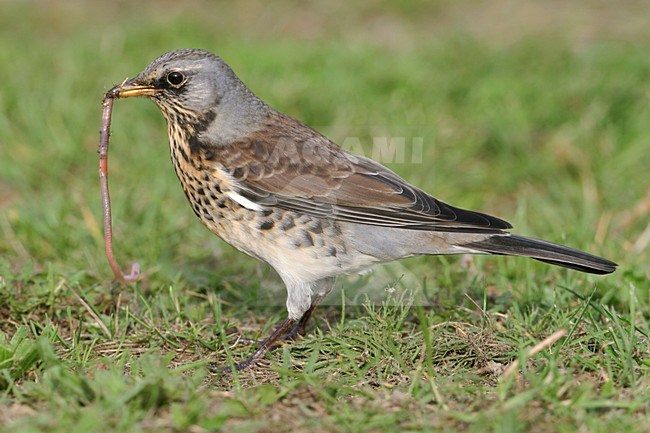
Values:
[(130, 88)]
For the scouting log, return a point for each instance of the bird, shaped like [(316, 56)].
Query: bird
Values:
[(281, 192)]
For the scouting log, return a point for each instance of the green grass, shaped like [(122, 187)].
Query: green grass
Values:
[(546, 132)]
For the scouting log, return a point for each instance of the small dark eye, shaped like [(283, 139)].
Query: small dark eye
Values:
[(175, 78)]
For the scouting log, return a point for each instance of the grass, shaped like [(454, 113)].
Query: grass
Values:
[(543, 131)]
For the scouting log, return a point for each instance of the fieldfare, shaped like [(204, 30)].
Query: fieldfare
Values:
[(283, 193)]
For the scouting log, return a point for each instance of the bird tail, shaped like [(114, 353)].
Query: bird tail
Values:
[(544, 251)]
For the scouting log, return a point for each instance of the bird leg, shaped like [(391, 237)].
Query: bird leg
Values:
[(287, 330), (299, 326), (325, 286)]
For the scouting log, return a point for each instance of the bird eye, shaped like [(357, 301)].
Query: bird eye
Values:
[(175, 78)]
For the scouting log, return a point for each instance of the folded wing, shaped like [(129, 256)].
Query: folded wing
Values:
[(314, 176)]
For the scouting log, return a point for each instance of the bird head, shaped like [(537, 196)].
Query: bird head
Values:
[(190, 80), (195, 89)]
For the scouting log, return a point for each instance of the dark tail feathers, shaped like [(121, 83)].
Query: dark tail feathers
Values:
[(544, 251)]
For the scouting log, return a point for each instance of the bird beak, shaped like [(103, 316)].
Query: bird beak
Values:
[(131, 88)]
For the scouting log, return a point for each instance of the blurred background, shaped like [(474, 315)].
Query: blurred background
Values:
[(535, 111)]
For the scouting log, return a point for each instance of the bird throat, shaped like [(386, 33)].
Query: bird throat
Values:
[(188, 149)]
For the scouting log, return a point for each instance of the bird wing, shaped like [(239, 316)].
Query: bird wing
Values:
[(286, 164)]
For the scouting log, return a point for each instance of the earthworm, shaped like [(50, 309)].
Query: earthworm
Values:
[(104, 135)]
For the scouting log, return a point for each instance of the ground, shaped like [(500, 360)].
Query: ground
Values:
[(537, 112)]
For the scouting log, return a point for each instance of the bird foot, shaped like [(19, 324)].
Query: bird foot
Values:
[(287, 330)]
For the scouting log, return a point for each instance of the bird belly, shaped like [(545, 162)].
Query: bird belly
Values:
[(307, 248)]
